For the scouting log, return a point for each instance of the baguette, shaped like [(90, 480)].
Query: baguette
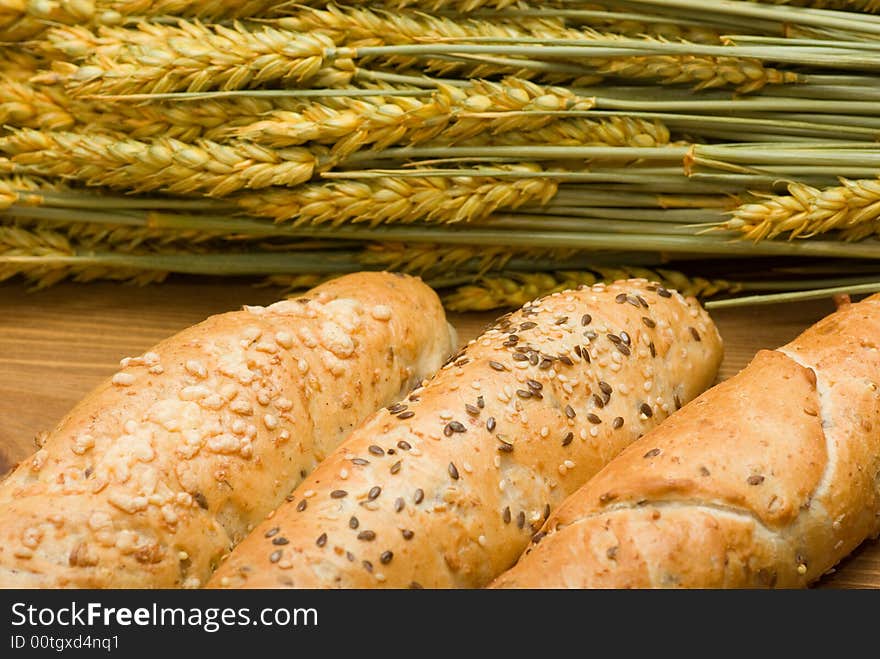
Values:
[(160, 470), (769, 479), (445, 488)]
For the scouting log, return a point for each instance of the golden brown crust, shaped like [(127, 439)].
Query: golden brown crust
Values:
[(769, 479), (165, 466), (445, 489)]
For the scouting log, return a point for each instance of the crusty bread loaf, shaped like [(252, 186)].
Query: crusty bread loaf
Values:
[(445, 488), (165, 466), (768, 479)]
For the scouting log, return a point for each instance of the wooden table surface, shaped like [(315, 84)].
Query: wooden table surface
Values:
[(56, 345)]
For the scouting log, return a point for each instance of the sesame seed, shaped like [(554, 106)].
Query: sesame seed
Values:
[(353, 523), (569, 412), (694, 333), (505, 446), (662, 292), (397, 408), (374, 493), (360, 462), (598, 401), (386, 557), (645, 409), (633, 301), (480, 402), (652, 349), (565, 359), (623, 349), (506, 515), (404, 445), (376, 450), (621, 298), (625, 338), (498, 367), (642, 301), (301, 506), (419, 495), (561, 320), (272, 532), (473, 410), (648, 322), (406, 415), (520, 357), (123, 379), (522, 393), (367, 536), (538, 536), (617, 423), (407, 534), (490, 423), (453, 471), (592, 418), (280, 541), (567, 439), (545, 364), (653, 453), (399, 504), (527, 325), (395, 467), (338, 494), (586, 319), (322, 540), (534, 385), (521, 519), (275, 556)]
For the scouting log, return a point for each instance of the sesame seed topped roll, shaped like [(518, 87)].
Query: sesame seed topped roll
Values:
[(169, 463), (446, 487)]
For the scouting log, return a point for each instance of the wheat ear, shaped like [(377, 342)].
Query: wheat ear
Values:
[(511, 290), (166, 164), (852, 207), (158, 58), (400, 200)]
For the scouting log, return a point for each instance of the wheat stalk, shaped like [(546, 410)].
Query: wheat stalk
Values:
[(396, 200), (852, 207), (158, 58), (49, 107), (851, 5), (514, 289), (452, 114), (166, 164), (362, 27)]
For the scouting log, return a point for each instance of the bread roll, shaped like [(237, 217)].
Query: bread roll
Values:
[(769, 479), (164, 467), (445, 488)]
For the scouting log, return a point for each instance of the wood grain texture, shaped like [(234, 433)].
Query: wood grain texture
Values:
[(56, 345)]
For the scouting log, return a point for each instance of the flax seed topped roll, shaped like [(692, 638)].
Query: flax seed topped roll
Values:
[(445, 488), (768, 479), (164, 467)]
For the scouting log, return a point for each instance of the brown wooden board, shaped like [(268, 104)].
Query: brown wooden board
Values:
[(56, 345)]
